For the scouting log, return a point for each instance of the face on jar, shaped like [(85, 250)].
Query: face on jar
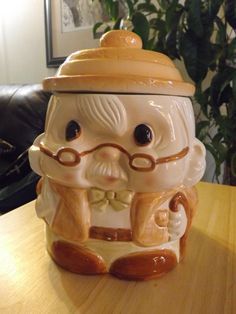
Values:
[(139, 142)]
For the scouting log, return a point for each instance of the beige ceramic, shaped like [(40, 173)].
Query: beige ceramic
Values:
[(118, 161)]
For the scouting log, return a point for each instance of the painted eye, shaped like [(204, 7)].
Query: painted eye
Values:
[(142, 135), (73, 130)]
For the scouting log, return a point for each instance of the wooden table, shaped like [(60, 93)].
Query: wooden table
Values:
[(205, 282)]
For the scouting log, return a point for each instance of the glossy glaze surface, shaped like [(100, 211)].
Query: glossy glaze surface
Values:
[(119, 65), (118, 170)]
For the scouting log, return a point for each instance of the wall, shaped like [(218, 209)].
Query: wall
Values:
[(22, 42)]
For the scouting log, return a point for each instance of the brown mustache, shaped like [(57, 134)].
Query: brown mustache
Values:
[(78, 156)]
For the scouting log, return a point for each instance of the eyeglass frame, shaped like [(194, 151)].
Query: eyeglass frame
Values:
[(56, 156)]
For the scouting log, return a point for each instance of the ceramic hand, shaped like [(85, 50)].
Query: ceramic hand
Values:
[(162, 217), (177, 223)]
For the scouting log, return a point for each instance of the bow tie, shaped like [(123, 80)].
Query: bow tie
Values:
[(100, 199)]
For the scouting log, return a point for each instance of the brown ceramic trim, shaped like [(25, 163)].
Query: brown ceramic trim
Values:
[(56, 156), (131, 158), (46, 151), (120, 148), (110, 234), (68, 150), (144, 265), (180, 198), (173, 157), (77, 259)]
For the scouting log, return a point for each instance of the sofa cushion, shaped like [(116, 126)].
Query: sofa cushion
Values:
[(22, 114), (18, 193), (5, 147)]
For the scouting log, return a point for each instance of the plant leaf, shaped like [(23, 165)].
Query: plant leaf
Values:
[(202, 98), (217, 138), (233, 165), (230, 12), (211, 149), (213, 7), (221, 33), (173, 13), (234, 88), (130, 7), (141, 27), (196, 55), (171, 45), (112, 8), (216, 157), (194, 17), (107, 29), (95, 29), (164, 4), (146, 7), (117, 23), (231, 54), (202, 129), (150, 43), (158, 24), (218, 84)]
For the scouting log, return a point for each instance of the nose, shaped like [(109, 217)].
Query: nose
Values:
[(107, 154)]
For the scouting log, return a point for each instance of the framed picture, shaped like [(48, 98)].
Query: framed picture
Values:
[(69, 27)]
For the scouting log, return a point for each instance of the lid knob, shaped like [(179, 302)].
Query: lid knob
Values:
[(121, 39)]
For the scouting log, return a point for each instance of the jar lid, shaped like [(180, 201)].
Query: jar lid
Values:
[(119, 65)]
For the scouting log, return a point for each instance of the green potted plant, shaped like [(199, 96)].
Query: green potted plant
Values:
[(202, 35)]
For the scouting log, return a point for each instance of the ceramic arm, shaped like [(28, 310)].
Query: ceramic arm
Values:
[(34, 155), (47, 201)]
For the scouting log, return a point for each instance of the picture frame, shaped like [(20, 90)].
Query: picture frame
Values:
[(60, 44)]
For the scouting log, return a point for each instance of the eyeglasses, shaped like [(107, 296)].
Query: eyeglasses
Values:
[(75, 157)]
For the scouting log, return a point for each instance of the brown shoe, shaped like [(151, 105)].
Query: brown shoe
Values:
[(144, 265), (77, 259)]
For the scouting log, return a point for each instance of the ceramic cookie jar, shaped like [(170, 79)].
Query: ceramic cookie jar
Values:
[(119, 160)]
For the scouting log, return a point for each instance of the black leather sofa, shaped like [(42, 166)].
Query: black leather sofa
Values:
[(22, 116)]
